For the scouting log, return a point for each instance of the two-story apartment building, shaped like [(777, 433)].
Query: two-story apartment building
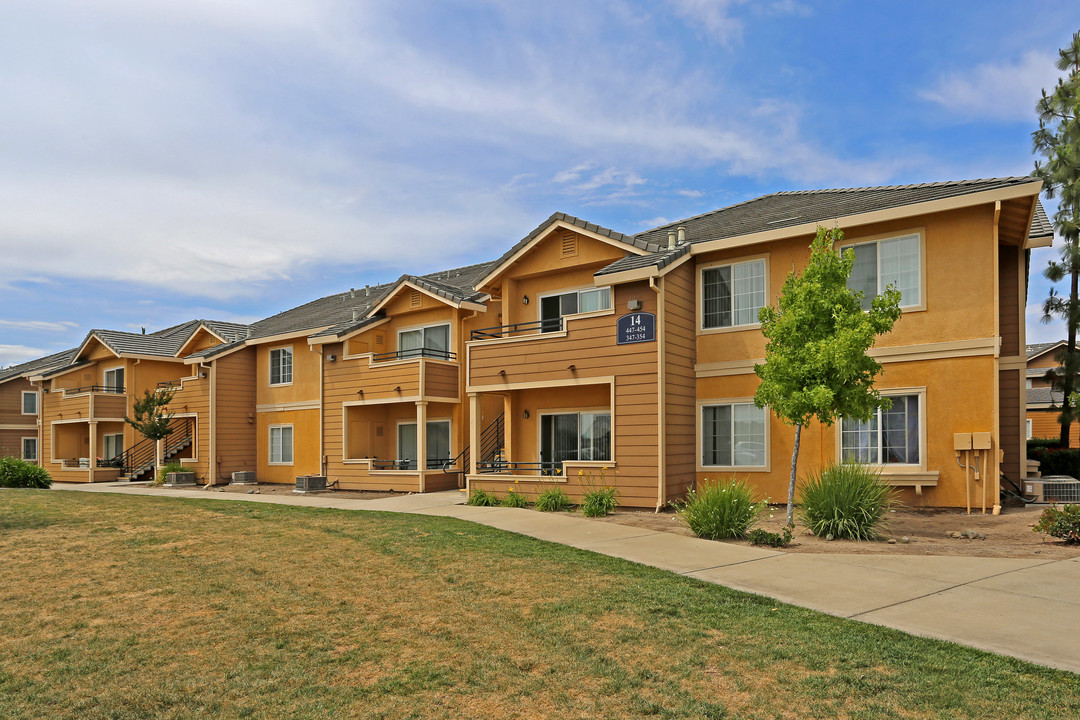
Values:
[(1043, 402), (583, 350), (20, 406)]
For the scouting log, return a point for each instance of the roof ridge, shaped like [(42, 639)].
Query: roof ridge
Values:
[(909, 186)]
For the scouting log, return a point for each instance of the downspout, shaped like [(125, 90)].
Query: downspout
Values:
[(322, 399), (661, 382), (211, 370)]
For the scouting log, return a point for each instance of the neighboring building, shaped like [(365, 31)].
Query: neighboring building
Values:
[(582, 350), (20, 407), (1043, 403)]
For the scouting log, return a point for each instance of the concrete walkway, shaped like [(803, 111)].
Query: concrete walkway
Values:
[(1029, 609)]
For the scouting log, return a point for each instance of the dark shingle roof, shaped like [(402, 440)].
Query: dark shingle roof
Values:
[(798, 207), (1044, 396), (1036, 349), (39, 365), (1041, 227)]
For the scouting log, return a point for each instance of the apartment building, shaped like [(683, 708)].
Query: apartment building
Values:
[(1043, 402), (583, 350), (20, 407)]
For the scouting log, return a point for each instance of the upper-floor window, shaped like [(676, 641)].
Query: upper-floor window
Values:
[(890, 437), (554, 307), (881, 263), (29, 402), (281, 366), (113, 379), (431, 341), (732, 294)]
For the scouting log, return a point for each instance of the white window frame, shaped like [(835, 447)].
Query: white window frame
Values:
[(270, 444), (700, 300), (1027, 427), (37, 402), (921, 233), (105, 377), (22, 449), (104, 439), (893, 468), (424, 328), (700, 433), (270, 365), (579, 291)]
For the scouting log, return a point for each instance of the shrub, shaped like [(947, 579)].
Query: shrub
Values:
[(759, 536), (845, 501), (1044, 443), (720, 509), (553, 500), (481, 498), (599, 499), (514, 499), (16, 473), (1063, 523), (1056, 460), (171, 468)]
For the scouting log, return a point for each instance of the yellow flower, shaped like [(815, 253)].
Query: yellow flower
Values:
[(604, 468), (580, 472)]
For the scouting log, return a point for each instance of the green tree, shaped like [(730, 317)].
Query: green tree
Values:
[(816, 364), (152, 418), (1058, 141)]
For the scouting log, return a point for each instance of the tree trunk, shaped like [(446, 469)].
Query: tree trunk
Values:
[(791, 484), (1068, 366)]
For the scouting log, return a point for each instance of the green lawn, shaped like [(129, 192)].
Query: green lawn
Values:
[(135, 607)]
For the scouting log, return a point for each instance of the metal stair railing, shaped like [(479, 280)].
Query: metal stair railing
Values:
[(491, 443), (141, 457)]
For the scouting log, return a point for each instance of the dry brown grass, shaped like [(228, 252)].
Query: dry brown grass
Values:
[(131, 607)]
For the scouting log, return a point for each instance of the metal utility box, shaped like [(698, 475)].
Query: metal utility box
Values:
[(179, 478), (1053, 489), (961, 441), (980, 441), (244, 477)]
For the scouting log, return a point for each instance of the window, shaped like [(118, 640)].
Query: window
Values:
[(573, 436), (113, 446), (882, 263), (890, 437), (29, 402), (432, 341), (554, 307), (732, 294), (29, 448), (1028, 424), (281, 366), (1029, 384), (281, 445), (438, 445), (113, 380), (733, 435)]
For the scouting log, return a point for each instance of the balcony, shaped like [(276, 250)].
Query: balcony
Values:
[(406, 375), (91, 402)]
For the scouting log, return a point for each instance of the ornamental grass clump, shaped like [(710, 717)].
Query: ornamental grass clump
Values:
[(720, 510), (845, 501), (482, 498), (553, 500), (513, 499), (16, 473), (600, 499)]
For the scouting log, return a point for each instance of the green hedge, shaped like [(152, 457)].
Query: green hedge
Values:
[(16, 473), (1054, 442), (1056, 461)]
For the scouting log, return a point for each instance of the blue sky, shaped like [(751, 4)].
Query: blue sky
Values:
[(229, 159)]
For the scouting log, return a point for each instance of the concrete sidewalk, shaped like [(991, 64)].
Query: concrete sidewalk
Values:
[(1029, 609)]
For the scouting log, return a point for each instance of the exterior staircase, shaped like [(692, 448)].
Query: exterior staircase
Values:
[(140, 459), (492, 441)]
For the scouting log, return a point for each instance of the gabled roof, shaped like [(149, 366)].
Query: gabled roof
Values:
[(1041, 227), (39, 365), (636, 244), (1036, 349), (1044, 396)]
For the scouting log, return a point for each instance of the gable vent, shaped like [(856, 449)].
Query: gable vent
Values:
[(379, 338), (414, 298), (569, 244)]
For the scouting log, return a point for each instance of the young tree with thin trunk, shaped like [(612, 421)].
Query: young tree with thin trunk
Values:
[(816, 364), (1058, 141), (152, 420)]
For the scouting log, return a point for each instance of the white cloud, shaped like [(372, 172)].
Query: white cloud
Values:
[(1002, 91), (15, 354), (714, 16), (61, 326)]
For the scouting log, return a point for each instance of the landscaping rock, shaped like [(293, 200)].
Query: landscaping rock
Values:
[(905, 540), (891, 541), (829, 537)]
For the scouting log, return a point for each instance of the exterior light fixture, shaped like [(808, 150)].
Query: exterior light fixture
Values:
[(525, 414), (524, 299)]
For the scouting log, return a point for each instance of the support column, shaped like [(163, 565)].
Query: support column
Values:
[(421, 440), (474, 435), (508, 426), (93, 450)]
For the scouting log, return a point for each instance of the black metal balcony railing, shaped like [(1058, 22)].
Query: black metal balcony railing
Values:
[(94, 388), (166, 385), (523, 468), (503, 331), (432, 464), (415, 353)]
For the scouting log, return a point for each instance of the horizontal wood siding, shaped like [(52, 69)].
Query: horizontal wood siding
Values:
[(11, 394), (1044, 424), (680, 385), (234, 409), (1011, 411), (442, 379), (193, 396), (1010, 300)]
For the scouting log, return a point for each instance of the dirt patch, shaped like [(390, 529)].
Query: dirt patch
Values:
[(285, 489), (928, 532)]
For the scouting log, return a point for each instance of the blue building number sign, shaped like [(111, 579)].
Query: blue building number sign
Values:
[(636, 328)]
